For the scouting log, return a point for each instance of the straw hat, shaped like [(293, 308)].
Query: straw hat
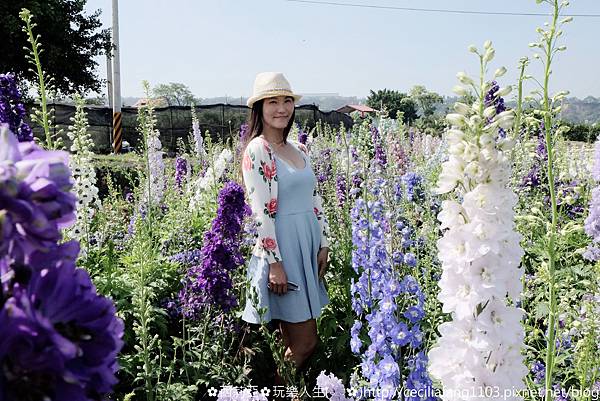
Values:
[(271, 84)]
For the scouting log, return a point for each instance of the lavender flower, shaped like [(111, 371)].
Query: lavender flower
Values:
[(492, 99), (323, 168), (188, 258), (380, 156), (592, 222), (35, 198), (181, 170), (244, 132), (561, 393), (539, 372), (209, 282), (378, 295), (340, 189), (12, 111), (302, 137), (532, 179), (332, 387), (59, 339), (413, 185)]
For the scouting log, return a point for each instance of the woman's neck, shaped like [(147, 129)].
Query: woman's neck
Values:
[(273, 135)]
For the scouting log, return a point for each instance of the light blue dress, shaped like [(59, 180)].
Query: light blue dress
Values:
[(299, 237)]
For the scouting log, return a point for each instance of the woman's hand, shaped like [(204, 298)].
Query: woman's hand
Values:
[(322, 261), (277, 278)]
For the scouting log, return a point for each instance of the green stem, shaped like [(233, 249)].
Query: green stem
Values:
[(41, 82), (552, 232), (519, 110)]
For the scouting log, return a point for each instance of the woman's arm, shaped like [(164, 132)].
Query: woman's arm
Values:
[(318, 208), (260, 180)]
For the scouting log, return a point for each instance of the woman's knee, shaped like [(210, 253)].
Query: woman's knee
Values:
[(304, 347)]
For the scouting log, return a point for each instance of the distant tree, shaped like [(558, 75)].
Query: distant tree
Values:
[(96, 101), (176, 94), (394, 102), (426, 100), (70, 41)]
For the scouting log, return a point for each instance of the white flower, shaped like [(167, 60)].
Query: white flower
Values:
[(452, 172), (480, 256), (457, 120), (451, 214), (198, 140), (500, 72), (460, 90)]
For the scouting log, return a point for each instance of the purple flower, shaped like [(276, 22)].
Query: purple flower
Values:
[(322, 166), (561, 393), (538, 369), (596, 167), (302, 137), (210, 282), (35, 197), (58, 338), (418, 380), (190, 258), (340, 189), (12, 111), (413, 185), (377, 295), (380, 156), (491, 99), (181, 169), (592, 221), (243, 132), (532, 179)]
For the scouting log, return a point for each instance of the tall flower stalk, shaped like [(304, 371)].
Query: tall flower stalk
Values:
[(153, 155), (388, 302), (592, 221), (44, 84), (84, 174), (548, 45), (479, 252), (210, 283)]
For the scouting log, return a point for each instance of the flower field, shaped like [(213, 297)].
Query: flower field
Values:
[(463, 265)]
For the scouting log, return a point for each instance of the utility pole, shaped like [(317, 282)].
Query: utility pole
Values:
[(109, 88), (116, 73), (109, 78)]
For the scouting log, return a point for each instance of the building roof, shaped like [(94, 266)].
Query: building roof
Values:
[(356, 107)]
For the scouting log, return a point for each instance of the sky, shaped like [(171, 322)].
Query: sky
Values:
[(217, 47)]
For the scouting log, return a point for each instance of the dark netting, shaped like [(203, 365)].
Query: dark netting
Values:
[(174, 122)]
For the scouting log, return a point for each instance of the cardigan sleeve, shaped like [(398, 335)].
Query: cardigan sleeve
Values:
[(260, 180), (318, 208)]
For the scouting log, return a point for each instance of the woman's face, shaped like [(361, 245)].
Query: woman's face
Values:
[(277, 111)]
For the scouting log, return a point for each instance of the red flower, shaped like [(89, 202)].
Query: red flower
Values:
[(247, 162), (316, 211), (272, 207), (269, 244), (269, 171)]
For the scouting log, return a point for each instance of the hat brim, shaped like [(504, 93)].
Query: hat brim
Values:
[(253, 99)]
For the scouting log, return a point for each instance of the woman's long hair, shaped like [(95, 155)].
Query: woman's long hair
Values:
[(255, 126)]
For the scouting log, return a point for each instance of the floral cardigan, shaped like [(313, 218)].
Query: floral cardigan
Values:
[(260, 177)]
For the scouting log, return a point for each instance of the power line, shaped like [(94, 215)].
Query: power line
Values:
[(439, 10)]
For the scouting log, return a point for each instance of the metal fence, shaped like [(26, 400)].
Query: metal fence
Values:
[(220, 120)]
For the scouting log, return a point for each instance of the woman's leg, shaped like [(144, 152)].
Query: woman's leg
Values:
[(300, 340)]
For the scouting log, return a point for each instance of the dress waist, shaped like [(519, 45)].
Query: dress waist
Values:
[(291, 213)]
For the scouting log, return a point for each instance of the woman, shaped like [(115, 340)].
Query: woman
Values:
[(290, 255)]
